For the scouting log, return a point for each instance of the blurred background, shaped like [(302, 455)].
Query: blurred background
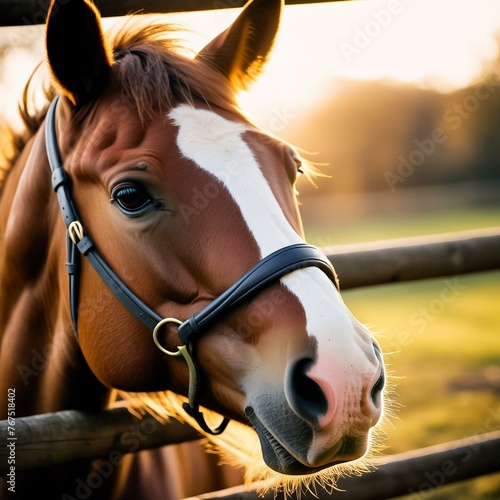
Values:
[(398, 105)]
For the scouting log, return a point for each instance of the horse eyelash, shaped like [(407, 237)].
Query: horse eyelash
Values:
[(158, 204)]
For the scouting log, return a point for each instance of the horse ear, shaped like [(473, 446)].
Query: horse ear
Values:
[(241, 51), (77, 51)]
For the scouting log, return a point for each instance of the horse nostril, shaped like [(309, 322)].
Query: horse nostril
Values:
[(304, 395), (377, 389), (379, 384)]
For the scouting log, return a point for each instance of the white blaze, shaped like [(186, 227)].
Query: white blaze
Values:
[(215, 145)]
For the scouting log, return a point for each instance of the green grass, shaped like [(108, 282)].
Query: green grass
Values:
[(430, 345), (400, 226)]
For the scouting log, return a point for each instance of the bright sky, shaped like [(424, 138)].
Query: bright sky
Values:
[(442, 44)]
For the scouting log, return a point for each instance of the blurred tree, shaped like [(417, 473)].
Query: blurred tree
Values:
[(383, 135)]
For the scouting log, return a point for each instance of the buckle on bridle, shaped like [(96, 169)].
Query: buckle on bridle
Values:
[(75, 231)]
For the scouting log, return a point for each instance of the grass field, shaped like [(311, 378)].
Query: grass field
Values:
[(441, 340)]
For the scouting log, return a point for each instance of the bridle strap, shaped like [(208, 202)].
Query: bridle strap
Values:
[(61, 185), (268, 270)]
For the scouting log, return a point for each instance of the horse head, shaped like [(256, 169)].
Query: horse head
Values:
[(182, 196)]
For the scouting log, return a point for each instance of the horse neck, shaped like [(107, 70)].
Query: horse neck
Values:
[(39, 353)]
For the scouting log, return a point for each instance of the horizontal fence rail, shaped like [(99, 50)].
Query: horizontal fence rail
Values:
[(418, 472), (28, 12), (423, 257), (56, 438)]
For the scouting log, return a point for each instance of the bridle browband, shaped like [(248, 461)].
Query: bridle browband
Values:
[(267, 271)]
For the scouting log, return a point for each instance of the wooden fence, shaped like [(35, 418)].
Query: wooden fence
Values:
[(56, 438), (420, 471), (30, 12)]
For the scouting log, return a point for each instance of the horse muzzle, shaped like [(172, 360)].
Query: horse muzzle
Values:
[(315, 423)]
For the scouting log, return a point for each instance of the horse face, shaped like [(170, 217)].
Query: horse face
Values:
[(181, 206), (298, 354)]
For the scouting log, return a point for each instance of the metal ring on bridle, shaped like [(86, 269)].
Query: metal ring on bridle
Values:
[(156, 330)]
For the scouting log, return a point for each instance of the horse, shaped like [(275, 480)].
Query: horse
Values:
[(152, 251)]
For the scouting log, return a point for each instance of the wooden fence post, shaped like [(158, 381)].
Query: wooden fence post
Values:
[(30, 12)]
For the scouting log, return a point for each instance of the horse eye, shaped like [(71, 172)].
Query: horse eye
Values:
[(132, 199)]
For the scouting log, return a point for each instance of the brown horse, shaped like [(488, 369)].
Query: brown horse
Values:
[(186, 219)]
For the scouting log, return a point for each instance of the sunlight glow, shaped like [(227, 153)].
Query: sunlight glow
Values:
[(440, 45)]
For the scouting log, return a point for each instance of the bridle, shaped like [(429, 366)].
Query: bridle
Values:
[(267, 271)]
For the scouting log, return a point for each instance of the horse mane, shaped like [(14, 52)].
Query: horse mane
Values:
[(154, 71)]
